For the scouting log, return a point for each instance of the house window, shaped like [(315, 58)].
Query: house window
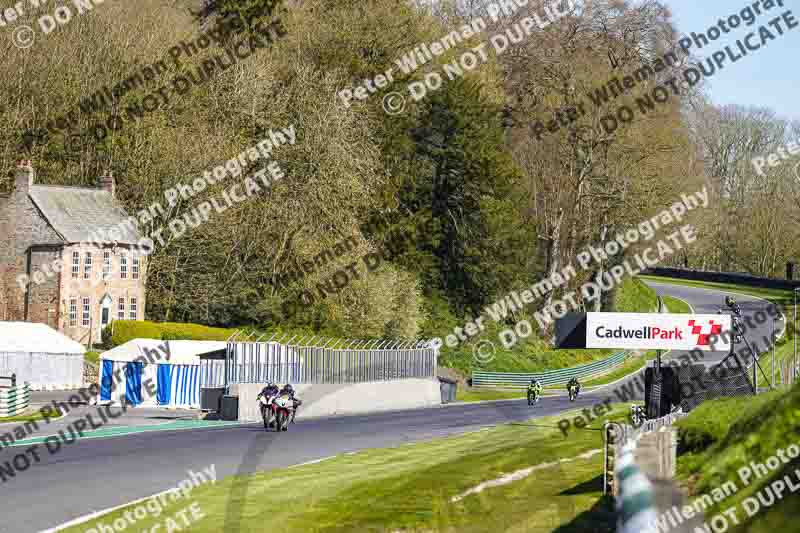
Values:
[(76, 264), (121, 309), (87, 266), (123, 266), (73, 311), (133, 309), (135, 271), (86, 312), (106, 264)]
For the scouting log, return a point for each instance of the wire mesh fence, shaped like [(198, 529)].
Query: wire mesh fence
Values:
[(320, 360)]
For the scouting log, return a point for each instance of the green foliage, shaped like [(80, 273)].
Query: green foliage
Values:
[(92, 357), (251, 12), (126, 330), (458, 186), (634, 296)]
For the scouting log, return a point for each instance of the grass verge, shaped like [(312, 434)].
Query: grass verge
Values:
[(676, 305), (722, 436), (30, 417), (411, 488), (470, 394)]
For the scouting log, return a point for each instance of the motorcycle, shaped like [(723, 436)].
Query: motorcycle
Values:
[(573, 393), (533, 397), (267, 410), (283, 407)]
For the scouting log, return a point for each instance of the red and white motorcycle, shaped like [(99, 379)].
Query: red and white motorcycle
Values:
[(276, 410)]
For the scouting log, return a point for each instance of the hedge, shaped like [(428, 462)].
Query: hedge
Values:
[(126, 330)]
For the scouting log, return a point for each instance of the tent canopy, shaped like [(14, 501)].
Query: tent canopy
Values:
[(179, 352), (36, 338)]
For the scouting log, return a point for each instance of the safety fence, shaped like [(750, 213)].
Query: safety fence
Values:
[(622, 476), (553, 377), (789, 372), (14, 399), (320, 360)]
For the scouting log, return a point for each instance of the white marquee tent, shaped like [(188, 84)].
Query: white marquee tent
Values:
[(40, 355)]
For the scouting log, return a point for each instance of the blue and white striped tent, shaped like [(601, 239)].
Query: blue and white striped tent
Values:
[(154, 373)]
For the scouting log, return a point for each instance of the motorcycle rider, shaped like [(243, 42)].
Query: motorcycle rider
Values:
[(534, 388), (288, 390), (270, 390), (573, 382)]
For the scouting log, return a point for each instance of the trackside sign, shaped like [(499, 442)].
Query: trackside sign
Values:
[(657, 331)]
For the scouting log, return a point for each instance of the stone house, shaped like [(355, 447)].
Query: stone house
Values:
[(53, 267)]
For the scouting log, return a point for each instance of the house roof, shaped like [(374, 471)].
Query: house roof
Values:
[(81, 215)]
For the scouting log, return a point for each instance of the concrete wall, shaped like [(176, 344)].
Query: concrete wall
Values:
[(353, 398)]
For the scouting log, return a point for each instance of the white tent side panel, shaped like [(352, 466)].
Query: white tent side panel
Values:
[(40, 355), (44, 371)]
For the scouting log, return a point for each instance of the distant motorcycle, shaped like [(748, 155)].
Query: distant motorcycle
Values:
[(533, 397), (573, 393)]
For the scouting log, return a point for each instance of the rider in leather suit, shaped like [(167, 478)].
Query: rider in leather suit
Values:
[(288, 390)]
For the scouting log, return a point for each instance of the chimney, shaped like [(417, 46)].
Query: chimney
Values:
[(107, 183), (24, 176)]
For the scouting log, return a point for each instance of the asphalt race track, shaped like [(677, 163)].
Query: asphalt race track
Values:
[(96, 474)]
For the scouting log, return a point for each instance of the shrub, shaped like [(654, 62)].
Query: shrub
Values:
[(127, 330)]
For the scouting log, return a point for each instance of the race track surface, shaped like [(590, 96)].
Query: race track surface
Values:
[(96, 474)]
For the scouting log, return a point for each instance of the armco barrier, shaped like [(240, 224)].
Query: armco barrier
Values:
[(14, 399), (553, 377), (723, 277)]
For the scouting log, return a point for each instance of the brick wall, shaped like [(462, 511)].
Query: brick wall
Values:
[(22, 226), (97, 287)]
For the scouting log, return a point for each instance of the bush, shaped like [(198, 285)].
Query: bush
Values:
[(127, 330)]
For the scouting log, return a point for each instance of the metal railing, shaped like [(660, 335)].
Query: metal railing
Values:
[(314, 359), (552, 377)]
